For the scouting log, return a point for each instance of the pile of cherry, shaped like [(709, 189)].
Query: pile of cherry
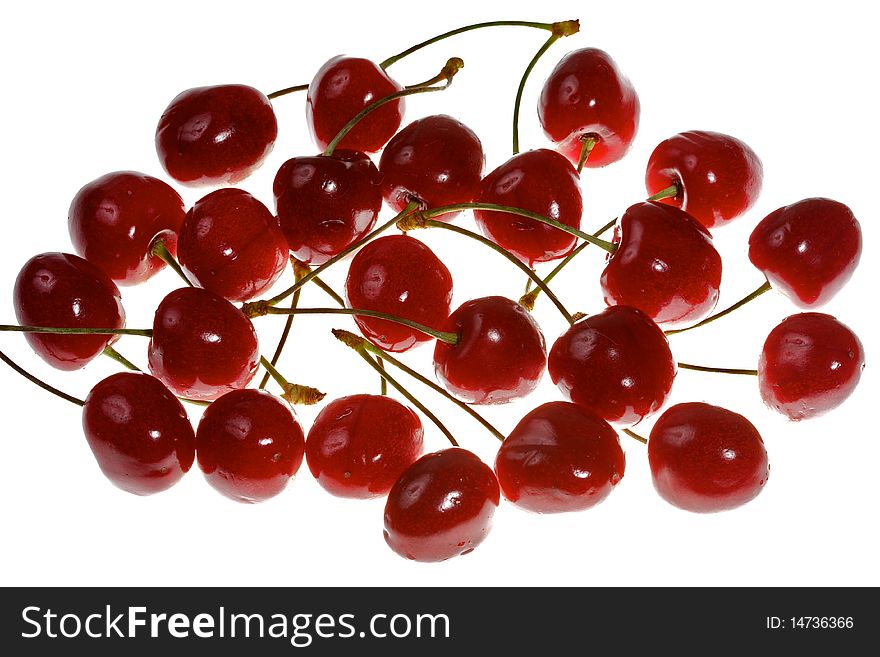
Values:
[(614, 367)]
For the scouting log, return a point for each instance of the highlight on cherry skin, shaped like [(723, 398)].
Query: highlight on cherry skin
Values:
[(616, 364), (810, 364), (216, 135), (421, 521), (560, 457), (230, 244), (249, 445), (138, 432), (706, 458), (807, 250), (400, 276), (115, 219), (718, 177), (360, 445), (588, 97), (65, 291)]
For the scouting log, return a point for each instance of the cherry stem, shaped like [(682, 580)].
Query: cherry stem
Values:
[(564, 28), (527, 301), (288, 90), (45, 386), (522, 85), (528, 271), (754, 295), (76, 331), (357, 342), (670, 192), (719, 370), (588, 143), (633, 434), (453, 66), (299, 270), (161, 251), (293, 393), (110, 352), (492, 207), (383, 384)]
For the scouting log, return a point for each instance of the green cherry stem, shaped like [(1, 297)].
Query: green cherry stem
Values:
[(45, 386), (453, 66), (300, 269), (111, 353), (633, 434), (588, 143), (718, 370), (287, 90), (161, 251), (522, 85), (146, 333), (293, 393), (383, 384), (765, 287), (670, 192)]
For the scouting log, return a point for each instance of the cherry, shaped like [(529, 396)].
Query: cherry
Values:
[(359, 446), (441, 507), (616, 364), (560, 457), (400, 276), (705, 458), (66, 291), (665, 264), (216, 135), (807, 250), (586, 96), (810, 364), (139, 433), (341, 88), (231, 245), (500, 354), (436, 160), (202, 346), (115, 219), (541, 181), (326, 203), (718, 176), (249, 444)]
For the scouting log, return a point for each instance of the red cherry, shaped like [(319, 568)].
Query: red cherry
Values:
[(231, 245), (665, 265), (436, 160), (560, 457), (719, 177), (807, 250), (115, 219), (810, 363), (400, 276), (249, 445), (202, 346), (500, 354), (216, 135), (327, 203), (705, 458), (359, 446), (63, 290), (586, 95), (441, 507), (339, 91), (138, 432), (540, 181), (616, 364)]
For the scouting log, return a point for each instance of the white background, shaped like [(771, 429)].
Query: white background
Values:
[(84, 84)]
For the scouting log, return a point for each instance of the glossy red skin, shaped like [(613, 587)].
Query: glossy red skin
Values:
[(339, 91), (616, 364), (705, 458), (436, 160), (719, 176), (63, 290), (441, 506), (216, 135), (202, 346), (326, 203), (249, 444), (541, 181), (231, 245), (500, 355), (807, 250), (560, 457), (139, 433), (586, 95), (359, 446), (401, 276), (810, 364), (115, 219), (666, 265)]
